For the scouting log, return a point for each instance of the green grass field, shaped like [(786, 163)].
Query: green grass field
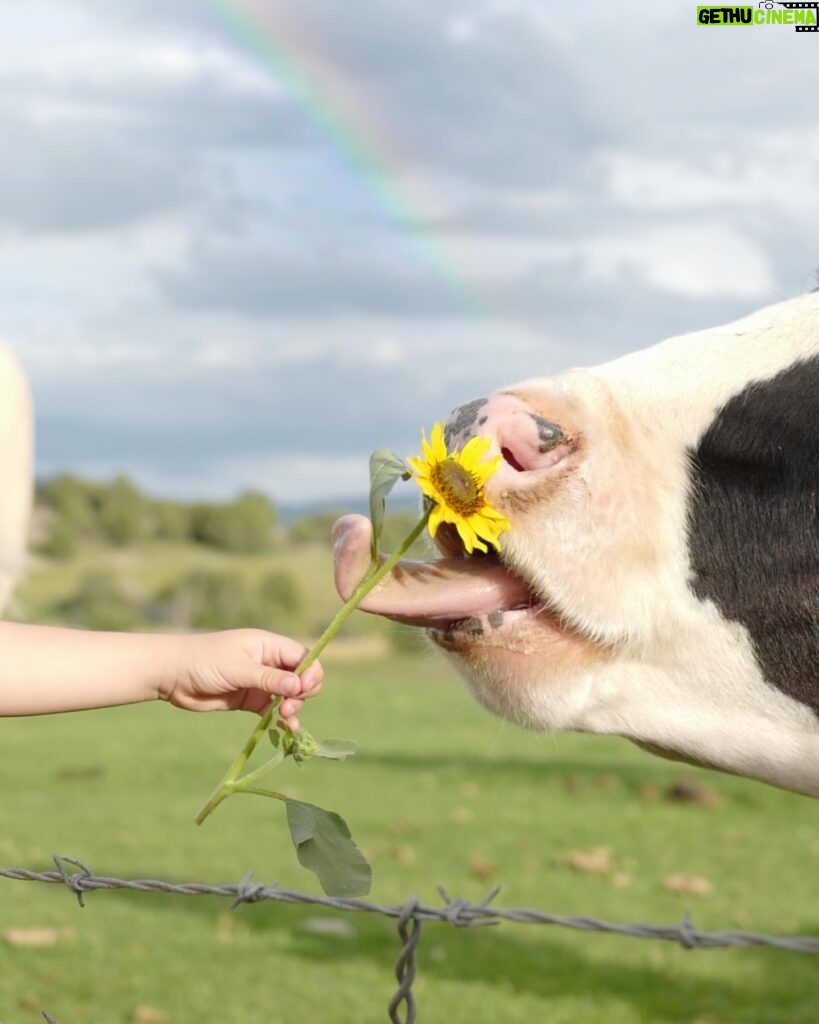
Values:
[(439, 793)]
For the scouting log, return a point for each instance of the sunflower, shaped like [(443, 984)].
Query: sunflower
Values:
[(454, 482)]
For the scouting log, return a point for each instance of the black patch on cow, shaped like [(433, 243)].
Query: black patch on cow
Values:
[(753, 523), (549, 434), (463, 419)]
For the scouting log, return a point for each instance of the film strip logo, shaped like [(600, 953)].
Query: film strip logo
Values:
[(798, 7)]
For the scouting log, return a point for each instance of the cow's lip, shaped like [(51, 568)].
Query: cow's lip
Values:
[(497, 627), (439, 595)]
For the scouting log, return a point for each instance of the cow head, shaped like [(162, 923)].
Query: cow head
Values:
[(660, 579)]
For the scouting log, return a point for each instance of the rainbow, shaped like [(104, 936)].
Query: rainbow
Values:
[(286, 47)]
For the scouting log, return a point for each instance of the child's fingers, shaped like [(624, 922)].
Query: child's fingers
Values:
[(283, 651), (256, 701), (290, 707), (273, 681), (311, 679), (287, 684), (309, 691), (284, 684)]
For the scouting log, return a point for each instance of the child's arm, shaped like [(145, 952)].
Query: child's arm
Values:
[(45, 669)]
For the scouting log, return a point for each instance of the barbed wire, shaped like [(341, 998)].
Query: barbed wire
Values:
[(410, 915)]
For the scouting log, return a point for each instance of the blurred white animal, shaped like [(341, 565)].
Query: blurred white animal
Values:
[(16, 471)]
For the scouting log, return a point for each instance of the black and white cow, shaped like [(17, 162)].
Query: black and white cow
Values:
[(660, 580)]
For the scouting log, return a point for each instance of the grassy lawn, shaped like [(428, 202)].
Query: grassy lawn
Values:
[(439, 793)]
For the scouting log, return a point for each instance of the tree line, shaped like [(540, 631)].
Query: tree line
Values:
[(74, 511), (119, 514), (73, 515)]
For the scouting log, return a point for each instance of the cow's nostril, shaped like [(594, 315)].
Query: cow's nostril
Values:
[(509, 457)]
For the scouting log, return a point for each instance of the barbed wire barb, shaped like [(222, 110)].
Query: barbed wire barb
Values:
[(74, 882)]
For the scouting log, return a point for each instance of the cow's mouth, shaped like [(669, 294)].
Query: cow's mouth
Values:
[(459, 599)]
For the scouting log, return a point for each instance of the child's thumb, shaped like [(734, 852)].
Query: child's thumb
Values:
[(276, 682)]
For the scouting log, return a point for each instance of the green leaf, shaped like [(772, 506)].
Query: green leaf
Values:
[(325, 846), (385, 469), (336, 750)]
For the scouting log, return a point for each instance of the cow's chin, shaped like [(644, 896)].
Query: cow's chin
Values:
[(518, 663), (515, 659)]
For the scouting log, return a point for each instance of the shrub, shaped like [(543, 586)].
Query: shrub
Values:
[(74, 501), (279, 602), (101, 601), (246, 524), (281, 589), (170, 520), (61, 542), (212, 599), (313, 529), (123, 513), (223, 599)]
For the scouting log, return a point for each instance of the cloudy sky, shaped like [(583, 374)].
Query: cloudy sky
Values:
[(244, 243)]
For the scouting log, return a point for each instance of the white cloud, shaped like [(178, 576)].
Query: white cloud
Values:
[(699, 260), (385, 352), (777, 169), (211, 280), (110, 62)]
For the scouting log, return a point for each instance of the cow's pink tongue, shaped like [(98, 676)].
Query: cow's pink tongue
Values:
[(423, 593)]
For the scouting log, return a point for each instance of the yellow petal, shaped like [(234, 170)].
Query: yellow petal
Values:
[(484, 470), (491, 539), (490, 466), (429, 455), (435, 520), (496, 517), (476, 449), (469, 537), (420, 467), (439, 452), (429, 489), (489, 526)]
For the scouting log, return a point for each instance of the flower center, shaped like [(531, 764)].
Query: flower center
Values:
[(458, 487)]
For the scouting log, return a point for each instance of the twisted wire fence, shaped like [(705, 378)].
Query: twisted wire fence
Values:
[(409, 916)]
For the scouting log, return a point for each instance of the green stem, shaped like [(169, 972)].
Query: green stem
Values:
[(225, 787), (257, 773), (261, 792), (371, 579)]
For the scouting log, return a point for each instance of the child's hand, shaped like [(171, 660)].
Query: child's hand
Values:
[(241, 669)]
